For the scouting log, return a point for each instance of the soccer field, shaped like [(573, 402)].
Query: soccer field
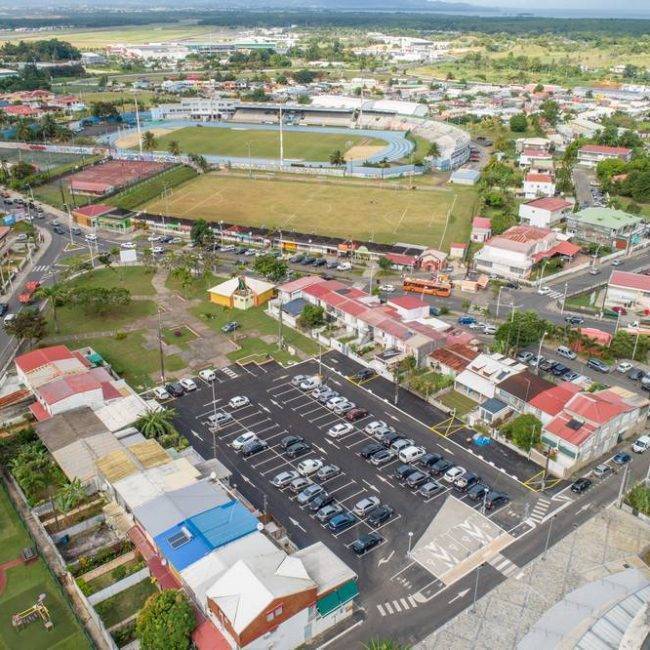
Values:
[(367, 212), (263, 144)]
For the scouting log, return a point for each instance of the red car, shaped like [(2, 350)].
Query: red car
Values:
[(620, 310), (356, 414)]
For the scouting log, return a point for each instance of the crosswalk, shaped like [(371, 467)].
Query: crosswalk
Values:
[(42, 268), (540, 510), (556, 295), (229, 372), (397, 606), (505, 566)]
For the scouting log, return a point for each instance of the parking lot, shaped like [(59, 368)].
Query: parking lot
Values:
[(279, 408)]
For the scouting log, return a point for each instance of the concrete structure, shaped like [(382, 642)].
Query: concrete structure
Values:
[(629, 290), (481, 229), (606, 226), (465, 176), (101, 215), (482, 375), (591, 154), (538, 185), (544, 212), (242, 293)]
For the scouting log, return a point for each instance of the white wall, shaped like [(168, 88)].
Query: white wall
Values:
[(289, 634)]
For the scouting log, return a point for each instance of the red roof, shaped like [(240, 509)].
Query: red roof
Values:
[(300, 283), (20, 109), (539, 178), (553, 400), (457, 245), (401, 259), (524, 234), (94, 210), (35, 359), (481, 223), (561, 248), (630, 280), (550, 203), (407, 302), (599, 148), (456, 356), (536, 153), (39, 412), (64, 387), (595, 334)]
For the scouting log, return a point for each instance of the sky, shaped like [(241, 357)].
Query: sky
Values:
[(609, 7)]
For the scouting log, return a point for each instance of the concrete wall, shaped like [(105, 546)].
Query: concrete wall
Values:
[(82, 526), (119, 586)]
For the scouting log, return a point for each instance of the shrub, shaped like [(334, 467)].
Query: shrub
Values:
[(120, 336)]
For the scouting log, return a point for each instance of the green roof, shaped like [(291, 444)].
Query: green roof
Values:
[(607, 217)]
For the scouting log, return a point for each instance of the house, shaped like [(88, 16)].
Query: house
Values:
[(532, 144), (452, 359), (511, 254), (548, 403), (242, 292), (544, 212), (482, 375), (629, 290), (591, 154), (518, 390), (401, 262), (606, 226), (590, 424), (538, 185), (533, 157), (102, 215), (432, 260), (481, 229), (457, 251), (409, 307)]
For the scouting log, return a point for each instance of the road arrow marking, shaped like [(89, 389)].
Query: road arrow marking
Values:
[(459, 595), (370, 485), (247, 480), (195, 434), (296, 524), (264, 408), (275, 403), (383, 560), (331, 442)]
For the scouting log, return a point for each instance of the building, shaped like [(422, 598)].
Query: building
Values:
[(195, 108), (481, 229), (457, 251), (629, 290), (535, 157), (544, 212), (452, 359), (484, 373), (591, 154), (512, 254), (465, 176), (538, 185), (242, 292), (590, 424), (606, 226), (432, 260), (104, 216)]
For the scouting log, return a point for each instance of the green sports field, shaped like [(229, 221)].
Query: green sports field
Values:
[(263, 144), (367, 212)]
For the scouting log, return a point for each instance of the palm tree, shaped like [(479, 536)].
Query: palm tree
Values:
[(174, 148), (148, 141), (156, 423), (434, 150), (70, 496), (58, 295)]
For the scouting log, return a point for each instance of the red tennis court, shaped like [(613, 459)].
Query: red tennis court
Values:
[(112, 175)]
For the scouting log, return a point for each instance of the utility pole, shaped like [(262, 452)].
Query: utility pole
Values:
[(636, 342), (548, 536), (250, 162), (137, 121), (499, 300), (280, 324), (621, 490), (566, 288), (281, 142), (160, 348), (539, 352), (547, 453), (570, 560)]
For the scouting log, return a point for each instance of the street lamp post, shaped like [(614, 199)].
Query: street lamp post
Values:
[(499, 300), (410, 534), (539, 351), (548, 536)]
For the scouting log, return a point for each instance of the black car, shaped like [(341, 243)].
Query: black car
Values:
[(296, 259), (306, 261), (511, 285), (321, 501), (559, 370), (253, 447), (175, 389), (547, 365), (320, 262), (496, 499), (429, 460), (364, 373), (574, 320), (3, 308), (287, 441), (635, 374), (230, 327), (368, 450), (389, 438), (240, 251), (478, 491), (441, 467), (341, 522), (416, 479), (580, 485), (466, 481), (366, 543), (298, 449), (402, 472), (379, 515), (58, 230)]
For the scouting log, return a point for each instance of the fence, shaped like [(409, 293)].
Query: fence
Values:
[(120, 586), (81, 527)]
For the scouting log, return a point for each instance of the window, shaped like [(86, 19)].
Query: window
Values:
[(275, 613), (278, 610)]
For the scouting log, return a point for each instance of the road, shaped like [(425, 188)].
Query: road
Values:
[(582, 184)]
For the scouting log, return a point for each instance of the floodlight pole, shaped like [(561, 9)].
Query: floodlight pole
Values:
[(160, 348), (281, 142), (137, 122)]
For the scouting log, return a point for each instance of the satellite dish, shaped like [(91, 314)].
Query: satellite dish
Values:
[(260, 526), (213, 476)]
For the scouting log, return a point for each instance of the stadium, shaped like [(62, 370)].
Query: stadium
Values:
[(376, 137)]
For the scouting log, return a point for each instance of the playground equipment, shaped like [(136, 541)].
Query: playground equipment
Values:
[(36, 611)]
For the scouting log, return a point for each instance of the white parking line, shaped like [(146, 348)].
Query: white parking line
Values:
[(342, 486)]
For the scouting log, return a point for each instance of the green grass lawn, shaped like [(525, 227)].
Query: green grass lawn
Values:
[(180, 336), (455, 400), (119, 607), (76, 320), (107, 579), (137, 279), (56, 194), (254, 323), (198, 288), (131, 360), (263, 144), (24, 584), (369, 212)]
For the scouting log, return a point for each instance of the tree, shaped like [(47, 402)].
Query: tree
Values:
[(518, 123), (312, 316), (27, 324), (523, 329), (337, 158), (166, 621), (550, 111), (156, 423), (105, 110), (148, 141), (270, 267), (174, 148), (70, 496), (22, 170), (304, 76), (57, 294), (385, 264), (433, 150), (524, 431), (100, 300), (201, 233)]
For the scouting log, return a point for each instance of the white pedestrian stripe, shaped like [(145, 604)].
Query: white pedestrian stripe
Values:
[(555, 294), (540, 510), (397, 606), (41, 268), (504, 565), (230, 372)]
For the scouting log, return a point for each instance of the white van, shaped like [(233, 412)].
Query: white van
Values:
[(411, 453), (641, 445), (565, 352)]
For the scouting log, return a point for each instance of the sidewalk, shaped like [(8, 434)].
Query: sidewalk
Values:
[(606, 544)]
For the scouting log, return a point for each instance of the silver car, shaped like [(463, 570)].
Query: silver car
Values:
[(284, 478)]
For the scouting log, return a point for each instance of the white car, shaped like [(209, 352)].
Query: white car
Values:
[(376, 425), (344, 266), (339, 429), (188, 384), (476, 326), (241, 440), (309, 466), (334, 402), (298, 379), (411, 453), (624, 366), (490, 330), (208, 374), (452, 474), (161, 393), (542, 291), (154, 238), (365, 506), (8, 318), (310, 383), (386, 288), (127, 245), (239, 401), (220, 418), (90, 236), (343, 407)]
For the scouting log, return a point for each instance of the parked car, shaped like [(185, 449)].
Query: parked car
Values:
[(602, 470), (570, 376), (370, 449), (310, 383), (466, 320), (535, 360), (453, 473), (230, 327), (309, 466), (380, 515), (322, 391), (565, 352), (559, 369), (366, 543), (622, 458), (343, 407), (253, 447), (327, 472), (441, 467), (356, 414), (402, 472), (365, 506), (332, 403), (641, 445), (543, 291), (386, 288), (466, 481), (574, 320), (290, 440), (376, 427), (188, 384), (429, 488), (387, 439), (207, 374), (580, 485), (238, 402), (127, 245), (298, 449), (636, 374), (364, 374), (524, 357), (495, 500), (328, 512), (175, 389), (546, 365), (299, 484), (478, 491), (320, 501), (339, 429), (309, 493), (326, 396), (239, 442), (339, 523), (401, 443), (624, 366), (597, 364), (296, 380), (416, 479), (160, 393), (284, 478), (429, 460), (382, 457), (218, 419), (411, 453)]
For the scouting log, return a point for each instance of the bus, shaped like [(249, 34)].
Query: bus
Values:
[(430, 287)]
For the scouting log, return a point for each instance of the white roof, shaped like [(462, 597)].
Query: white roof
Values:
[(120, 413), (246, 588), (229, 287), (77, 460), (324, 567)]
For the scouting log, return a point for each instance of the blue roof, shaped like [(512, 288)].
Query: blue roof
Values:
[(190, 540), (294, 307), (493, 405)]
